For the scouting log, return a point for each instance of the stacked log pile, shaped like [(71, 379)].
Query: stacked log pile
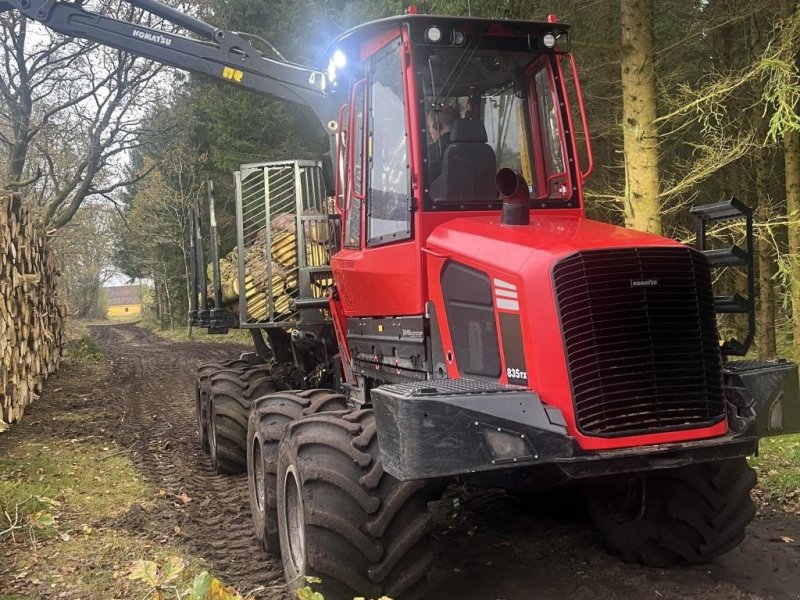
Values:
[(31, 315)]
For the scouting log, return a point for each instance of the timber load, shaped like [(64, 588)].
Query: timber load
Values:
[(271, 278), (31, 314)]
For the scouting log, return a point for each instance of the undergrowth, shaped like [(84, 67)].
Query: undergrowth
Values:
[(181, 334)]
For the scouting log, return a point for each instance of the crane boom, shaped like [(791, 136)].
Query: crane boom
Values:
[(221, 54)]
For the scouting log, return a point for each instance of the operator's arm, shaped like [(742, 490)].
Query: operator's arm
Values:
[(221, 54)]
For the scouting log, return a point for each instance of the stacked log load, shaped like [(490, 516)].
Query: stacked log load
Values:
[(283, 286), (31, 315)]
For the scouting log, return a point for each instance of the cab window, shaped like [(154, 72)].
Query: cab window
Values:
[(352, 232), (388, 201)]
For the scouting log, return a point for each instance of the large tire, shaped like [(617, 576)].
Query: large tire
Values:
[(205, 371), (230, 394), (682, 516), (344, 520), (269, 416)]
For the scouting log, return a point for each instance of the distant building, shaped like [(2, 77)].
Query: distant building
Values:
[(123, 301)]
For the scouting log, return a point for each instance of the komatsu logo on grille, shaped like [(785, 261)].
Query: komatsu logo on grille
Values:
[(152, 37), (637, 283)]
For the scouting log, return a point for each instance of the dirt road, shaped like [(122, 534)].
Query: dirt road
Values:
[(486, 546)]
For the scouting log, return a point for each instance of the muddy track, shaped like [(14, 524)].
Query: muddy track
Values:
[(486, 545), (155, 380)]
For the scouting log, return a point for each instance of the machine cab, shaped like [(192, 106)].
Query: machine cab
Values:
[(432, 108)]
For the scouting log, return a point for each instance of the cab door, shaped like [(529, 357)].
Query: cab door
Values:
[(379, 272)]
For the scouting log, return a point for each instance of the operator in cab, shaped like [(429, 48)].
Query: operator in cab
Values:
[(439, 123)]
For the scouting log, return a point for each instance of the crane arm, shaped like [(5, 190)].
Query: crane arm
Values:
[(221, 54)]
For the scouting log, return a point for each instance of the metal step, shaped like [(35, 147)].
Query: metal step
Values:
[(731, 304), (726, 210), (726, 257)]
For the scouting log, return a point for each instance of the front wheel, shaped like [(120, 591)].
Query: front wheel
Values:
[(680, 516), (342, 518)]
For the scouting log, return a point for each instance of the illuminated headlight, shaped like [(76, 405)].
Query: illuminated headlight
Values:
[(339, 59), (549, 40), (459, 38), (433, 34)]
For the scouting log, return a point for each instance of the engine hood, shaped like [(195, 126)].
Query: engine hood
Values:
[(544, 241)]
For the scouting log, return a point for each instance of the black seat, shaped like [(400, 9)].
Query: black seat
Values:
[(469, 167)]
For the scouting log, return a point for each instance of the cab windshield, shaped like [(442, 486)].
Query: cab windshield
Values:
[(486, 109)]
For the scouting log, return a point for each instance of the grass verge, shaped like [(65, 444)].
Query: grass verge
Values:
[(778, 468), (63, 508)]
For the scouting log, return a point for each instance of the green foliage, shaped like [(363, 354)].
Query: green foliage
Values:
[(86, 349), (160, 578), (778, 467)]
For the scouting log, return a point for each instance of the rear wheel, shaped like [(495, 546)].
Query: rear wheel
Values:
[(680, 516), (344, 520), (205, 371), (269, 416), (230, 394)]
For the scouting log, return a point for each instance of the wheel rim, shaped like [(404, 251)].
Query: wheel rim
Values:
[(212, 438), (295, 521), (199, 408), (258, 475), (627, 500)]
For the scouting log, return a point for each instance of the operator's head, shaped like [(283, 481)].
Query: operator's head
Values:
[(439, 122)]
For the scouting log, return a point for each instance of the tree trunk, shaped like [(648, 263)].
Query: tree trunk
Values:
[(168, 297), (791, 160), (765, 337), (185, 253), (642, 209)]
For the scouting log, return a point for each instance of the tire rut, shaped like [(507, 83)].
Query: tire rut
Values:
[(155, 380)]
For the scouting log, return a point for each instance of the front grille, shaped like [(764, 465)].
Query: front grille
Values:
[(640, 336)]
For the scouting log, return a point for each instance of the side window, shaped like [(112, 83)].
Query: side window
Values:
[(550, 128), (355, 189), (388, 209)]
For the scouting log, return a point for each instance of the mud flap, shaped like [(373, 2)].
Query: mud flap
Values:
[(763, 397)]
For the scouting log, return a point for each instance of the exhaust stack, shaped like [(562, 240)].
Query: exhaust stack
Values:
[(516, 203)]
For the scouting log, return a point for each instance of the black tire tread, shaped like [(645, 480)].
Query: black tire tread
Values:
[(368, 536), (230, 394), (269, 416), (692, 515)]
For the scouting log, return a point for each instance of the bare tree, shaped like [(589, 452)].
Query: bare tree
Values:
[(68, 114)]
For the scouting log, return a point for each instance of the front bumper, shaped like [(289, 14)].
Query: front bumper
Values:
[(443, 428)]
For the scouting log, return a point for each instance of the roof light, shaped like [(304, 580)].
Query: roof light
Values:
[(549, 40), (433, 34), (339, 59)]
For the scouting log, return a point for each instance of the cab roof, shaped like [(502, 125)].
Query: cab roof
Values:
[(499, 27)]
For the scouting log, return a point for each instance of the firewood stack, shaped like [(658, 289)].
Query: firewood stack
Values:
[(31, 315)]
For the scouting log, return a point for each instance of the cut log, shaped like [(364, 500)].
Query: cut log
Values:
[(31, 313), (273, 295)]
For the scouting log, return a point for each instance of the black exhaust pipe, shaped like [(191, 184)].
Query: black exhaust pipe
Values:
[(516, 198)]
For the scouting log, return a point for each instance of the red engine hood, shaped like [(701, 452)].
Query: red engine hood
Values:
[(521, 258), (544, 241)]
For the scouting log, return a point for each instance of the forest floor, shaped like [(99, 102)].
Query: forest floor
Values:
[(105, 469)]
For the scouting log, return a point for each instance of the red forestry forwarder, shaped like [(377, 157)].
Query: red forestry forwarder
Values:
[(466, 320)]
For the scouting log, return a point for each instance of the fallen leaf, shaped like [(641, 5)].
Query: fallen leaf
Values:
[(183, 498), (787, 540)]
